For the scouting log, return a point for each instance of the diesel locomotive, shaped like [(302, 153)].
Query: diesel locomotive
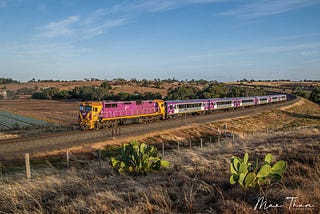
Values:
[(105, 114)]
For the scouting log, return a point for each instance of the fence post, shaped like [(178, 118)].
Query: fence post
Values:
[(201, 145), (232, 137), (68, 164), (99, 154), (162, 149), (178, 146), (210, 140), (27, 160), (190, 144), (219, 138), (0, 171)]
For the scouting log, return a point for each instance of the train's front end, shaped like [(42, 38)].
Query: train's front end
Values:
[(89, 115)]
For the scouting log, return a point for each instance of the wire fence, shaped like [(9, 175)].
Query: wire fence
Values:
[(28, 163)]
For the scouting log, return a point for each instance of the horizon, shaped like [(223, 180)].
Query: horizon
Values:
[(222, 40), (35, 80)]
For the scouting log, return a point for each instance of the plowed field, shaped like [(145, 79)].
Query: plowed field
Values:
[(57, 112)]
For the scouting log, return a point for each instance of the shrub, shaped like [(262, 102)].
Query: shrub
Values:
[(137, 159), (253, 176)]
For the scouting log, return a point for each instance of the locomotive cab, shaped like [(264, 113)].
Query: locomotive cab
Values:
[(89, 114)]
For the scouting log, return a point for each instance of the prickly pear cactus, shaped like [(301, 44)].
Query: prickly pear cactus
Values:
[(253, 176), (137, 159)]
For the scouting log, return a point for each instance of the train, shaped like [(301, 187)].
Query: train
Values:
[(106, 114)]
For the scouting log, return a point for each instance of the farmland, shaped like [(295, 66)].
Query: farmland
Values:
[(9, 121), (57, 112)]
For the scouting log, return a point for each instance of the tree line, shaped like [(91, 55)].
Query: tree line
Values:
[(7, 81), (85, 93), (212, 90), (188, 89), (181, 92)]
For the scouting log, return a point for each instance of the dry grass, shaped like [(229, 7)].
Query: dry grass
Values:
[(196, 182), (303, 113)]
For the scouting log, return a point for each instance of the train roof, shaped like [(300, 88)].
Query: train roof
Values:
[(126, 101), (187, 101)]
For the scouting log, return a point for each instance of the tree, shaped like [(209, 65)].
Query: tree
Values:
[(64, 94), (214, 90), (300, 92), (99, 93), (50, 92), (235, 92), (123, 96), (183, 93), (315, 95), (106, 85), (32, 80), (46, 93), (7, 81)]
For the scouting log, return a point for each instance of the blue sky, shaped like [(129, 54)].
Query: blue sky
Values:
[(222, 40)]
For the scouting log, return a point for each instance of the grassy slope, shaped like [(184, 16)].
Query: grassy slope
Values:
[(197, 181)]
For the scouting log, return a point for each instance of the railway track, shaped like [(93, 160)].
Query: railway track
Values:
[(15, 148)]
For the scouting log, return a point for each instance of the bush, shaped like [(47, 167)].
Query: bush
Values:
[(315, 95), (12, 95)]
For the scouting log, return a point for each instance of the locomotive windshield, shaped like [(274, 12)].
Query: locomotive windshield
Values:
[(85, 108)]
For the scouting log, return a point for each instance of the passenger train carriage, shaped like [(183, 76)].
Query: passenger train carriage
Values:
[(176, 107), (96, 115)]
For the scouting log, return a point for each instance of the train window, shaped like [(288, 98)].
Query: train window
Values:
[(107, 106), (95, 109), (138, 102), (170, 107), (88, 108), (274, 98), (81, 108), (247, 101), (263, 99), (127, 103), (114, 105), (224, 103), (150, 102)]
